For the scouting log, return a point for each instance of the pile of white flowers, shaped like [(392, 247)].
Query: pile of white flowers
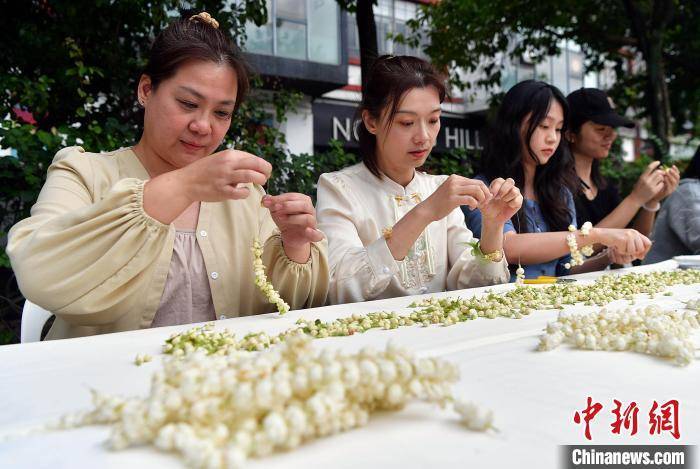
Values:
[(262, 283), (649, 330), (515, 304), (693, 304), (219, 410)]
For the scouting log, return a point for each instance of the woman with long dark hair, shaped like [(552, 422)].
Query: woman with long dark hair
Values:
[(392, 230), (161, 233), (592, 131), (677, 230), (524, 144)]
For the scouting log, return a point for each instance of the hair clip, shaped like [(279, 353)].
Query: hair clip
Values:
[(205, 18)]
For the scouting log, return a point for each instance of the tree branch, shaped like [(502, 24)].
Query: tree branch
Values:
[(637, 24)]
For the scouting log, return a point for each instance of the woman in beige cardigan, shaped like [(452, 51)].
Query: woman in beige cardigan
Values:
[(161, 233)]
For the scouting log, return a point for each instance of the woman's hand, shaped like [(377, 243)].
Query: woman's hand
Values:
[(626, 242), (216, 177), (671, 178), (295, 216), (506, 200), (615, 257), (455, 191), (649, 184), (213, 178)]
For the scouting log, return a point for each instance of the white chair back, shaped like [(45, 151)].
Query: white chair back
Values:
[(33, 320)]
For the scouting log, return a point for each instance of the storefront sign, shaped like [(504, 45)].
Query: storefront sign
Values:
[(337, 121)]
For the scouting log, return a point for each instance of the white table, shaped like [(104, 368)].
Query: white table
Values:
[(533, 394)]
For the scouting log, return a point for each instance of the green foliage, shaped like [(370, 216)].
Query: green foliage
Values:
[(68, 80), (68, 76), (623, 174), (6, 337), (300, 173), (455, 161), (477, 36), (255, 130)]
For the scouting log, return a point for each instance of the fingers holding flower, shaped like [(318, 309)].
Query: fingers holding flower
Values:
[(506, 200), (455, 191), (671, 178), (295, 216)]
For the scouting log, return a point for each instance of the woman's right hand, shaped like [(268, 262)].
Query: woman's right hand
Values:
[(626, 242), (615, 257), (649, 183), (455, 191), (216, 177)]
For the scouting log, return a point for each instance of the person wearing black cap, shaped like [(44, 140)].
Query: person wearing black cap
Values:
[(592, 131), (524, 143)]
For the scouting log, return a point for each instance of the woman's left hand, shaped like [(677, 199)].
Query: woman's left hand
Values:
[(671, 179), (506, 201), (295, 216)]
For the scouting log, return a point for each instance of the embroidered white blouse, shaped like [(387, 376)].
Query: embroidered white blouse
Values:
[(354, 206)]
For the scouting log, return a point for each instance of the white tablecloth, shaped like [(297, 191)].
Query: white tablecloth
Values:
[(534, 395)]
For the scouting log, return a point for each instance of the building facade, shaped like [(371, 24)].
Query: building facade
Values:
[(312, 46)]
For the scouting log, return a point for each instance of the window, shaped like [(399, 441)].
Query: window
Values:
[(576, 71), (298, 29), (543, 70), (566, 71), (324, 40), (390, 17), (525, 71), (559, 72), (590, 80), (259, 38)]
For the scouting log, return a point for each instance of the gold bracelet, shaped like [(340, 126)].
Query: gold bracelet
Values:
[(386, 233), (495, 256)]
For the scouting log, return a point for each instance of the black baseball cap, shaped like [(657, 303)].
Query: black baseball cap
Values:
[(592, 104)]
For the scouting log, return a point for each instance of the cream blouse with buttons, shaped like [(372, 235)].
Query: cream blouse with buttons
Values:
[(353, 208), (90, 254)]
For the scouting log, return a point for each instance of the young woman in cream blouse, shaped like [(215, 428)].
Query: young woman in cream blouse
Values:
[(392, 230), (161, 233)]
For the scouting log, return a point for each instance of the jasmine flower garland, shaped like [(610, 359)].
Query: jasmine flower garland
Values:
[(262, 283), (576, 254), (515, 303), (651, 330), (218, 411)]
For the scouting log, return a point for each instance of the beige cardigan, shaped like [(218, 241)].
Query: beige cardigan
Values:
[(90, 254)]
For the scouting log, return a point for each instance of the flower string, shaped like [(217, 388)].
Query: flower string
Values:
[(219, 411), (514, 304), (266, 287), (576, 254), (650, 331), (519, 272)]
